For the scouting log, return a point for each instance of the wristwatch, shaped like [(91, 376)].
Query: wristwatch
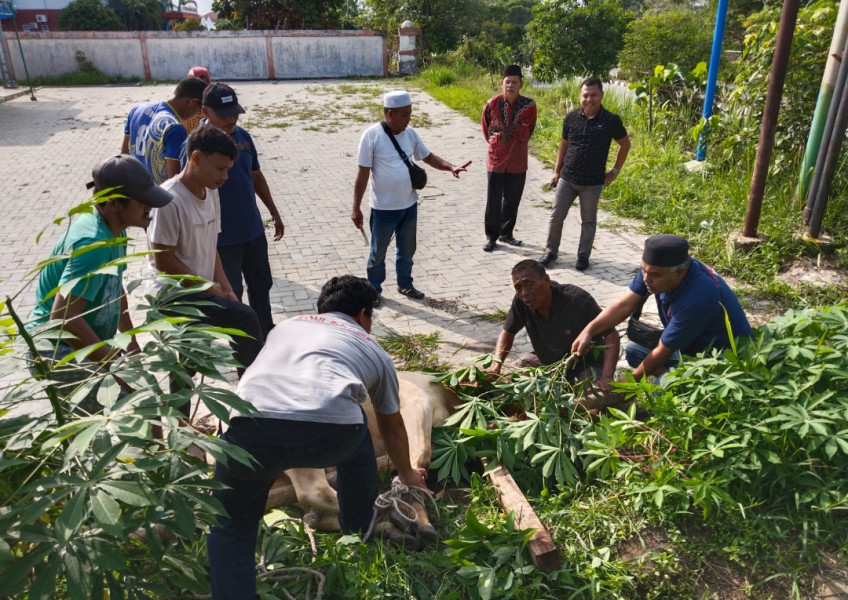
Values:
[(614, 171)]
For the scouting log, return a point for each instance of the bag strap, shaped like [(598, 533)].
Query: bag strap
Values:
[(637, 312), (396, 145)]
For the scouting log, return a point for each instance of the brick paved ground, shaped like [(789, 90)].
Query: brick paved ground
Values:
[(307, 134)]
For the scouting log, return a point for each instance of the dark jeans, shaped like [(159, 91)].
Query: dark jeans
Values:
[(278, 445), (502, 200), (384, 224), (250, 259), (636, 353), (228, 313)]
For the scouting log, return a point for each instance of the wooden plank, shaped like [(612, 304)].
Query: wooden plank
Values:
[(543, 552)]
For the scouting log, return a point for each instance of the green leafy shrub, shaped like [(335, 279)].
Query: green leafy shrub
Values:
[(565, 34), (683, 37), (93, 505), (762, 430), (740, 122)]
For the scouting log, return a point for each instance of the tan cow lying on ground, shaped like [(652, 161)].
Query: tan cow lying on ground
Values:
[(423, 405)]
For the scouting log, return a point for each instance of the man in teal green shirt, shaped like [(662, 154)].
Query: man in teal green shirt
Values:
[(95, 308)]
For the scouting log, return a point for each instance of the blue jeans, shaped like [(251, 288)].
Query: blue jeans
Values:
[(564, 197), (636, 353), (251, 260), (277, 445), (384, 224)]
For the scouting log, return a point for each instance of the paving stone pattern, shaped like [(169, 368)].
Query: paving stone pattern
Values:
[(307, 135)]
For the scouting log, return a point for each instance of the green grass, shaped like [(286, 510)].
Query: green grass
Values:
[(414, 351), (80, 78), (708, 207)]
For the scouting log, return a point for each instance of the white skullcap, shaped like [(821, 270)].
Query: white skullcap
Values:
[(397, 99)]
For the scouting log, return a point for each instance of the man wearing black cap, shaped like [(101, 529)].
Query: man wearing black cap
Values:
[(581, 168), (154, 132), (95, 308), (691, 300), (508, 122), (242, 245)]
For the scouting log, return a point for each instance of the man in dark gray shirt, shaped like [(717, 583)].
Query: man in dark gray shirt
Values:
[(580, 170), (554, 315)]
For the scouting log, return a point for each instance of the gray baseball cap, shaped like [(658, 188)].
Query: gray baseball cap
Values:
[(130, 178)]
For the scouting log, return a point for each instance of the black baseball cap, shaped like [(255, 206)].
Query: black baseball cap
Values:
[(130, 178), (222, 99)]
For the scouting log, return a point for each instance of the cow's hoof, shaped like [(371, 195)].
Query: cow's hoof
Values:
[(427, 534), (387, 531)]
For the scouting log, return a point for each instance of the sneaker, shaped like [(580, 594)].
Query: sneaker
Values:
[(508, 239), (411, 292), (582, 263), (378, 301), (489, 245), (547, 258)]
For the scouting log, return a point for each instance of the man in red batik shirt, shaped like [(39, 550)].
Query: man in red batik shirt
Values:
[(508, 121)]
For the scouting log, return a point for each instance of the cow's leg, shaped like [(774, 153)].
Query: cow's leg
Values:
[(315, 494)]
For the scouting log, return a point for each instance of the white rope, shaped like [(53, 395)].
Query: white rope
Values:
[(392, 502), (291, 573)]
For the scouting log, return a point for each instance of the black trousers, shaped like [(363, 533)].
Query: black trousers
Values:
[(222, 312), (502, 200)]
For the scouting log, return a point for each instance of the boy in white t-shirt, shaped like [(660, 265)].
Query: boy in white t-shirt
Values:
[(186, 234)]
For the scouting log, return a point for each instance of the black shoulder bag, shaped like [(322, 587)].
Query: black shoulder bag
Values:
[(641, 333), (417, 175)]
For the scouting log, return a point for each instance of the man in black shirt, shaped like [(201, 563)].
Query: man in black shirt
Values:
[(554, 315), (580, 170)]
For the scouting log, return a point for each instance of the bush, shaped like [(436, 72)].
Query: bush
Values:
[(760, 429), (566, 38), (89, 15), (683, 37), (740, 123), (189, 25), (93, 506)]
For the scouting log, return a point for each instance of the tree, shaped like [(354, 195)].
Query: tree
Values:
[(281, 14), (682, 37), (442, 23), (89, 15), (572, 39), (138, 15)]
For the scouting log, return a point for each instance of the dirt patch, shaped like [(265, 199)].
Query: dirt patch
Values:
[(815, 273)]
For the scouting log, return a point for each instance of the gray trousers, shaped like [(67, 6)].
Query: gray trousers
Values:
[(589, 196)]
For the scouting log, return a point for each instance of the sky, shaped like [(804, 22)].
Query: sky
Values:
[(204, 6)]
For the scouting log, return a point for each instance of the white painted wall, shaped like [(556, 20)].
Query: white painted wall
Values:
[(226, 58), (117, 58), (307, 57), (229, 55)]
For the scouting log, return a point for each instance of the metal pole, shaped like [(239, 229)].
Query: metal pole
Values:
[(712, 75), (833, 147), (827, 134), (840, 34), (23, 60), (780, 61)]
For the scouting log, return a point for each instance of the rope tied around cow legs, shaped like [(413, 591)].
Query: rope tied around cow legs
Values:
[(405, 515)]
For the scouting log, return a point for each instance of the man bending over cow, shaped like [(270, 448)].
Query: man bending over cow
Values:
[(554, 315), (307, 386)]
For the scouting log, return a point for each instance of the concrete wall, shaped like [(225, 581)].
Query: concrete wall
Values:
[(229, 55)]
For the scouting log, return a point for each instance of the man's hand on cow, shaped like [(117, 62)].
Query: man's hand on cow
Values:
[(416, 477)]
